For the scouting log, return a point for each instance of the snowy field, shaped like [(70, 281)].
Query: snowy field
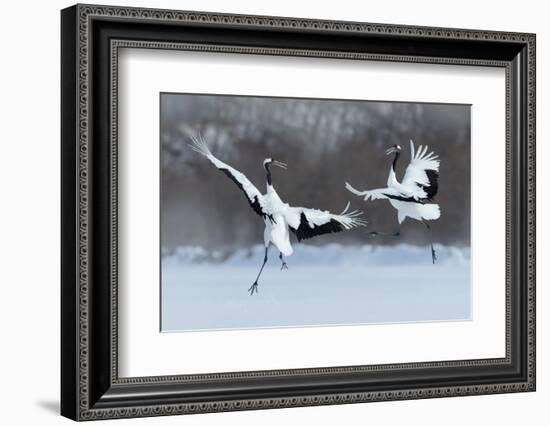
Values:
[(328, 285)]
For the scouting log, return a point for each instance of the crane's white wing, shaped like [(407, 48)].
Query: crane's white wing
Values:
[(308, 223), (254, 197), (381, 194), (422, 172)]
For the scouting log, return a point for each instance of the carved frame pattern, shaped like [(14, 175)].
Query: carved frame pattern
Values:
[(85, 13)]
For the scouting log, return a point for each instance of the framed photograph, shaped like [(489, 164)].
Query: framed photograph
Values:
[(263, 212)]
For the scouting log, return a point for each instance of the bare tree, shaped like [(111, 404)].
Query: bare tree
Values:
[(324, 142)]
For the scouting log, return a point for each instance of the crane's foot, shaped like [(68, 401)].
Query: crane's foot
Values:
[(434, 256), (253, 288), (284, 266)]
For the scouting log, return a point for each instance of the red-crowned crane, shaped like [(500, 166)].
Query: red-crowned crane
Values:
[(278, 216), (413, 197)]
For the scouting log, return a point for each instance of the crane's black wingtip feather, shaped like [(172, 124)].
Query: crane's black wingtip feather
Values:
[(305, 230), (433, 187), (254, 202)]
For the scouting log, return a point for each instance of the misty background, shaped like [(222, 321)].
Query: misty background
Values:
[(325, 143), (212, 241)]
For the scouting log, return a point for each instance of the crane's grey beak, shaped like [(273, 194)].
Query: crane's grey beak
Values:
[(391, 150), (279, 164)]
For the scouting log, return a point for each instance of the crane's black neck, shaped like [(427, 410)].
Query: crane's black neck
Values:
[(397, 153), (268, 173)]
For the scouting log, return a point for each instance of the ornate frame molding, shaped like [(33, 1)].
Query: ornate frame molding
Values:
[(82, 16)]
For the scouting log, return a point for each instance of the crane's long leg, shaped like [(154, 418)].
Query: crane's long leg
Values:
[(434, 257), (283, 263), (254, 287)]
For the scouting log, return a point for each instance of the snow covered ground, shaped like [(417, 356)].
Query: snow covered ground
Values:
[(324, 285)]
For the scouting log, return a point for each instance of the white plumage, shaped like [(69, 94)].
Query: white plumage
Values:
[(279, 217), (416, 176), (413, 196), (409, 208)]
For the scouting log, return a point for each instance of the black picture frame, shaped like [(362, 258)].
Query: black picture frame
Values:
[(90, 386)]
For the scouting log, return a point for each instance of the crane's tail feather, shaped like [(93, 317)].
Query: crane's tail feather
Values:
[(199, 145), (430, 211)]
